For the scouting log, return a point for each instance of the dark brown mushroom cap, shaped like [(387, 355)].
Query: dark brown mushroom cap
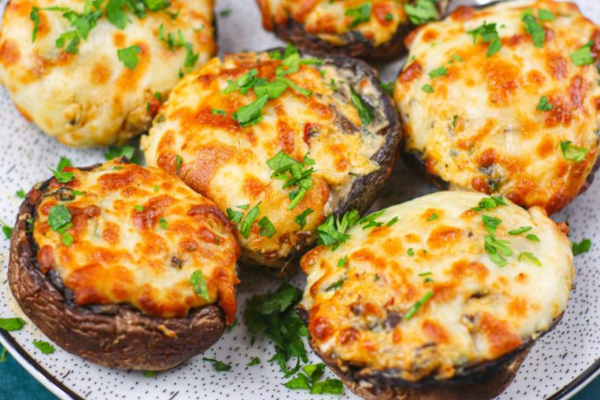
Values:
[(114, 336)]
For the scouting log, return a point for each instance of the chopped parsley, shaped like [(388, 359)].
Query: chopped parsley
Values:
[(392, 221), (583, 55), (422, 11), (388, 87), (490, 203), (178, 162), (149, 374), (361, 14), (532, 238), (163, 223), (491, 223), (254, 361), (342, 262), (488, 34), (441, 71), (59, 219), (571, 152), (225, 13), (20, 193), (139, 208), (291, 84), (219, 366), (581, 247), (545, 15), (336, 285), (308, 379), (215, 111), (544, 105), (410, 252), (294, 173), (333, 231), (252, 113), (457, 57), (198, 283), (420, 303), (247, 223), (427, 88), (498, 250), (520, 230), (300, 219), (11, 324), (7, 230), (433, 217), (128, 56), (370, 220), (44, 347), (121, 151), (274, 316), (527, 256), (266, 227), (365, 112), (532, 27)]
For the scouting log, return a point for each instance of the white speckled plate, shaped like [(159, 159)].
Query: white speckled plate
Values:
[(559, 365)]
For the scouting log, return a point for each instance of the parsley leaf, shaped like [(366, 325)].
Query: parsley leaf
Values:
[(295, 173), (545, 15), (63, 177), (583, 55), (488, 34), (251, 114), (44, 347), (149, 374), (388, 87), (300, 219), (21, 194), (333, 231), (274, 315), (543, 105), (301, 381), (336, 285), (441, 71), (198, 283), (365, 112), (498, 249), (529, 257), (128, 56), (422, 11), (581, 247), (532, 27), (520, 230), (35, 18), (255, 361), (219, 366), (490, 203), (249, 220), (11, 324), (266, 227), (122, 151), (491, 223), (62, 163), (360, 14), (420, 303), (571, 152), (291, 84), (427, 88), (7, 230), (59, 218)]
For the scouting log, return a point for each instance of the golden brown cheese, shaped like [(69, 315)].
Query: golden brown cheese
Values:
[(480, 128), (91, 98), (328, 20), (359, 296), (228, 163), (138, 236)]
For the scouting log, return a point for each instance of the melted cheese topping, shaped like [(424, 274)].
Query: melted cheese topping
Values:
[(328, 21), (91, 98), (228, 163), (480, 129), (138, 236), (479, 311)]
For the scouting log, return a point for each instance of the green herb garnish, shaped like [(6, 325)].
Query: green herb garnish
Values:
[(44, 347), (218, 365), (573, 153), (420, 303), (198, 283)]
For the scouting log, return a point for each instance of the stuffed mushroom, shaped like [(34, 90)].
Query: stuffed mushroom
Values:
[(357, 28), (505, 99), (437, 298), (95, 73), (278, 140), (124, 266)]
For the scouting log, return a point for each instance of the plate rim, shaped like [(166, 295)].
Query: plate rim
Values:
[(62, 391)]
